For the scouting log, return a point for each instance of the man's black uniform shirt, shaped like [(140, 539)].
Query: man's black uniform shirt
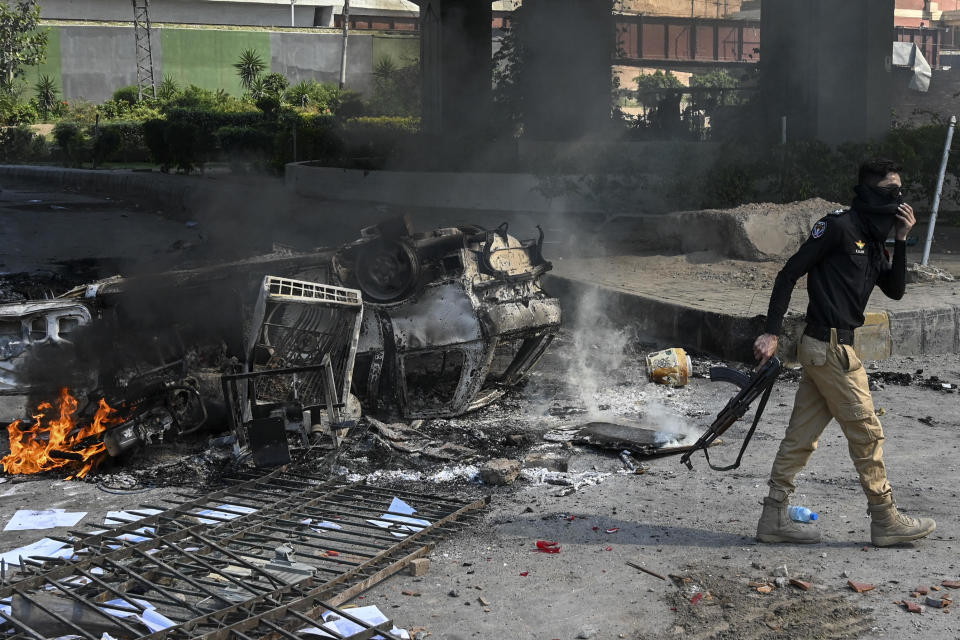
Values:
[(844, 262)]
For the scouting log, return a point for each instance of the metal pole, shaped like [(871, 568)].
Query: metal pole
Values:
[(783, 130), (293, 22), (936, 197), (346, 37)]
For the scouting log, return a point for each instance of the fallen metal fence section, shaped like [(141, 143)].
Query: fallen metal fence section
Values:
[(265, 557)]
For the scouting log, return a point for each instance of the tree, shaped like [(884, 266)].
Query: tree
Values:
[(396, 88), (650, 87), (249, 67), (21, 43), (720, 80), (46, 90)]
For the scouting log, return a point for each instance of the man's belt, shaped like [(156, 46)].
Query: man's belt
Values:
[(844, 336)]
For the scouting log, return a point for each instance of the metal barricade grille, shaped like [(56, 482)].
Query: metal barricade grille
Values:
[(301, 322), (262, 558)]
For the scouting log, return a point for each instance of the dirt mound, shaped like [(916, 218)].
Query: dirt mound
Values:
[(711, 606), (762, 231)]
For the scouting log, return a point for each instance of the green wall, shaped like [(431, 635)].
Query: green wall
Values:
[(205, 57), (403, 49), (50, 67)]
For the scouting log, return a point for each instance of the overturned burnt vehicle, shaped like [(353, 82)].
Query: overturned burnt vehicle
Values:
[(453, 318), (397, 324)]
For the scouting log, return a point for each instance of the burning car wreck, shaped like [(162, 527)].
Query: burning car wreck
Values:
[(396, 325)]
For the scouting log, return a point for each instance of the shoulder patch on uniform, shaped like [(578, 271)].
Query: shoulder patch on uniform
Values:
[(819, 229)]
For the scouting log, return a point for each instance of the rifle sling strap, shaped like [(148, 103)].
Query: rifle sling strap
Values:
[(746, 439)]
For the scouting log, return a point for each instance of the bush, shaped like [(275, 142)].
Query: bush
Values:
[(21, 144), (72, 142), (310, 94), (245, 144), (114, 109), (350, 105), (81, 111), (318, 138), (106, 144), (372, 140), (185, 144), (21, 113), (211, 120), (129, 95), (121, 141), (155, 139)]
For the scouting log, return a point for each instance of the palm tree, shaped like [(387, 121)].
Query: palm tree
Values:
[(46, 90), (249, 67), (168, 89)]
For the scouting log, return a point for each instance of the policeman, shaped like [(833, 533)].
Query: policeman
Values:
[(843, 258)]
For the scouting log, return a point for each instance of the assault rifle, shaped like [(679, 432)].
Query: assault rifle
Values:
[(759, 383)]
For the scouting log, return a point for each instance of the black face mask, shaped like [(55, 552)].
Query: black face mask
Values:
[(879, 208)]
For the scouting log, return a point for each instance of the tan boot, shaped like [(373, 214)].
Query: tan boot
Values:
[(889, 526), (776, 526)]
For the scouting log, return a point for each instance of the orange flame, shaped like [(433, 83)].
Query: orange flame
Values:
[(55, 440)]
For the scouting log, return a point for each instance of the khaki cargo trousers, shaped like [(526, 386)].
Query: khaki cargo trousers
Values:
[(834, 385)]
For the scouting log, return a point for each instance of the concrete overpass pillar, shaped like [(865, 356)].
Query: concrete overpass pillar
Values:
[(457, 65), (566, 76), (825, 65)]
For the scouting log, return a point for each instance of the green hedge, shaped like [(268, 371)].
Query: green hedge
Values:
[(370, 141), (21, 144), (119, 141)]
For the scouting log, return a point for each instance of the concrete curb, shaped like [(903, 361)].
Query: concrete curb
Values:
[(178, 195), (728, 336)]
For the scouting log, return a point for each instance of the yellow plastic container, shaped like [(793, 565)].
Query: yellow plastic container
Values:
[(671, 367)]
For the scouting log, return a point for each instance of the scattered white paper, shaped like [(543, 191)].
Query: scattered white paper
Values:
[(125, 516), (43, 547), (223, 515), (345, 628), (137, 535), (324, 524), (400, 526), (43, 519), (151, 618)]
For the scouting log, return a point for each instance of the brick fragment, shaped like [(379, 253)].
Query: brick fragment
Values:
[(936, 603), (913, 607), (860, 587), (801, 584), (922, 590), (419, 567), (765, 588), (951, 584)]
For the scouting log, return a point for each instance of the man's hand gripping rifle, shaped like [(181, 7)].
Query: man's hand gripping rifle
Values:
[(751, 386)]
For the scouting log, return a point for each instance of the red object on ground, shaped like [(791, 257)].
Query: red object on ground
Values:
[(596, 528), (697, 598), (333, 553), (524, 574), (609, 549), (548, 546), (613, 530), (860, 587)]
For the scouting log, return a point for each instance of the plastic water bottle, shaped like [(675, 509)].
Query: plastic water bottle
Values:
[(802, 514)]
